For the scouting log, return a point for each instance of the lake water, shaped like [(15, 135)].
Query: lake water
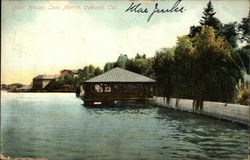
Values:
[(58, 126)]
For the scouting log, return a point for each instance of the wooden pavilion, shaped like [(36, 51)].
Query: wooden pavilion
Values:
[(116, 85)]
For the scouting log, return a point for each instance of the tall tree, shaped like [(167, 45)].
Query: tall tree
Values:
[(164, 68), (230, 33), (184, 60), (214, 66), (209, 19), (121, 61)]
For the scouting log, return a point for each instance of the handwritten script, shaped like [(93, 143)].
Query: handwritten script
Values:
[(36, 7), (136, 8)]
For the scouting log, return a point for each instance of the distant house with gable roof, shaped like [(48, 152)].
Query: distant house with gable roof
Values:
[(68, 72), (44, 82)]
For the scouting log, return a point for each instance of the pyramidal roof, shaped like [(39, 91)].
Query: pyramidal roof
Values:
[(120, 75)]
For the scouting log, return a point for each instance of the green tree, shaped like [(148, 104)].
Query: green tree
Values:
[(150, 71), (194, 30), (121, 61), (230, 33), (69, 80), (139, 64), (214, 66), (91, 71), (58, 83), (244, 27), (108, 66), (184, 64), (164, 68), (138, 56), (208, 19), (86, 73), (244, 53), (98, 71)]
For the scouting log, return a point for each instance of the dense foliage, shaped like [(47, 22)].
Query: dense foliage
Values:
[(206, 64)]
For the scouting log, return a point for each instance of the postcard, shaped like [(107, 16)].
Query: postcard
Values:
[(125, 80)]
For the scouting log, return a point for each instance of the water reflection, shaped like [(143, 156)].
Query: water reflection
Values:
[(136, 107)]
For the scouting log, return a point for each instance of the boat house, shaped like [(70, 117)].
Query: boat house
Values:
[(116, 85)]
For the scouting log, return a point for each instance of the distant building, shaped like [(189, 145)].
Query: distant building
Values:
[(68, 72), (43, 82), (17, 85), (3, 86), (14, 86), (24, 88)]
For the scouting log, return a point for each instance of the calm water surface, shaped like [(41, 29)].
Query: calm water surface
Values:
[(58, 126)]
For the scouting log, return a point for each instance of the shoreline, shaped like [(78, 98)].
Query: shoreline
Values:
[(2, 157), (37, 92), (234, 113)]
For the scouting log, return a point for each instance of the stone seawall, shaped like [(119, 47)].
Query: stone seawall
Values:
[(232, 112), (2, 157)]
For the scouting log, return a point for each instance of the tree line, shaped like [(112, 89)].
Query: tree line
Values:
[(206, 64)]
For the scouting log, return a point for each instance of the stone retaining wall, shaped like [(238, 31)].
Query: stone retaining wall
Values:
[(2, 157), (233, 112)]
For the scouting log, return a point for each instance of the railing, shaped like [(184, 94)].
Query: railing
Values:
[(112, 96)]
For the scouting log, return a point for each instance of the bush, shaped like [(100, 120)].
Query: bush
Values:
[(243, 95)]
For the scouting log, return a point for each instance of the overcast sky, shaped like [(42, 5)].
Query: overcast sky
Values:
[(44, 41)]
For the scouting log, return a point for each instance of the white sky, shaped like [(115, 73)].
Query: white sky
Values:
[(47, 41)]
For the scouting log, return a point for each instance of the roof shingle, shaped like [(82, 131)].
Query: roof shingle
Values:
[(120, 75)]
